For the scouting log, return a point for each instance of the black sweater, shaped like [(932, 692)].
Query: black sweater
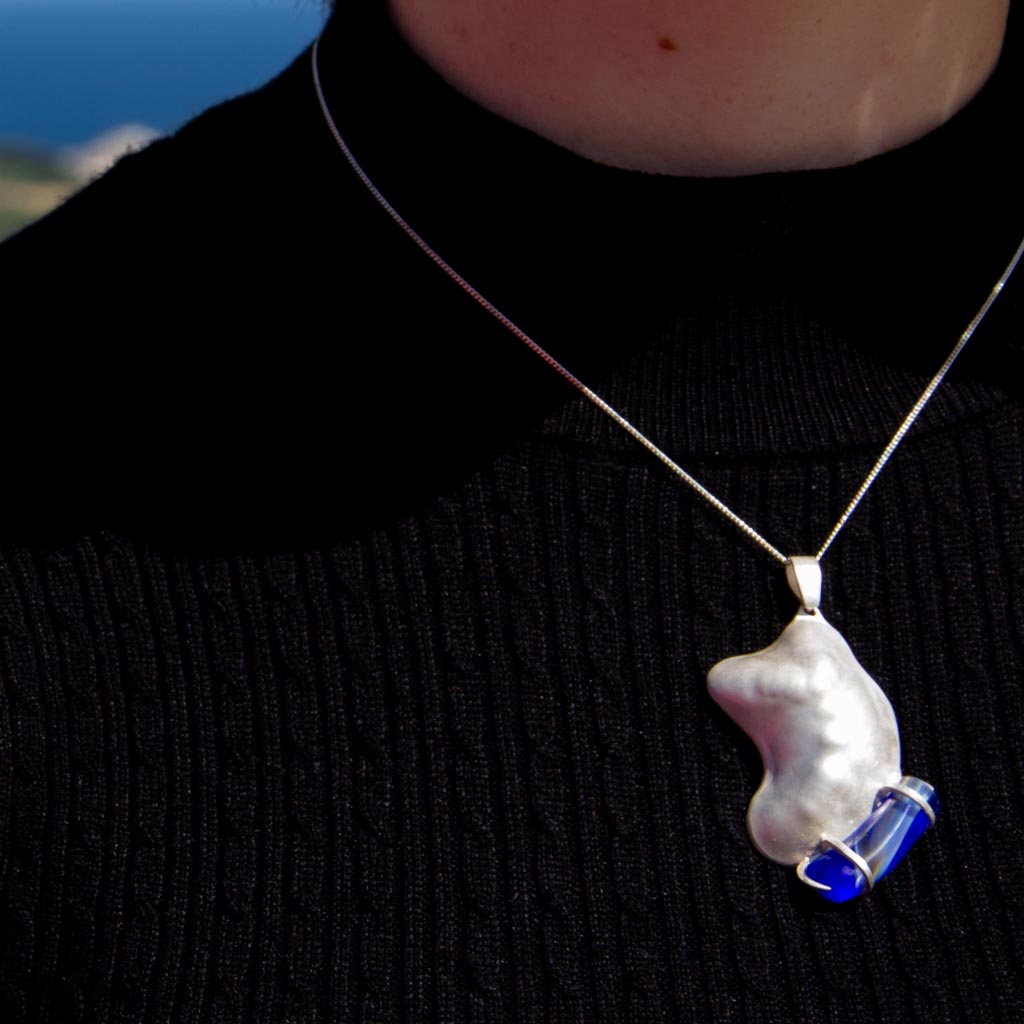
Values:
[(352, 665)]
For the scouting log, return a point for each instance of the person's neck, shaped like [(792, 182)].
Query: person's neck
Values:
[(732, 87)]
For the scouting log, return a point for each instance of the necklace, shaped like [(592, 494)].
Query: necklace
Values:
[(834, 801)]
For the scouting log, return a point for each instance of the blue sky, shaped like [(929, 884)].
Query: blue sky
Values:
[(70, 69)]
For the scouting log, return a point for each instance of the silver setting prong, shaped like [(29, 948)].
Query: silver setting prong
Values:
[(801, 869), (910, 794), (854, 858)]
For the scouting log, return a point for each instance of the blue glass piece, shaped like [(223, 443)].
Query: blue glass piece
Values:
[(882, 839)]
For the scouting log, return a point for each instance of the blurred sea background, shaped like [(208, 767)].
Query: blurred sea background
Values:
[(83, 81)]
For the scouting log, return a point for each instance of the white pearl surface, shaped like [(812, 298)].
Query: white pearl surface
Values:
[(826, 732)]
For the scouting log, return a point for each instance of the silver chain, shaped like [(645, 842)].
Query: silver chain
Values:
[(621, 420)]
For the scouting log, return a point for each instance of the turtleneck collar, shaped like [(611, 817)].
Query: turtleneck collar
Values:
[(528, 220)]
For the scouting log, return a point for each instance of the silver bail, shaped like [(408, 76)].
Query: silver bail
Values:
[(803, 574)]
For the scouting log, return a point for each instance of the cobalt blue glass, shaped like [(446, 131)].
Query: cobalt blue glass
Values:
[(882, 840)]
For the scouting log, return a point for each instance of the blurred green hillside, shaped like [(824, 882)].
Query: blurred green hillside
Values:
[(31, 184)]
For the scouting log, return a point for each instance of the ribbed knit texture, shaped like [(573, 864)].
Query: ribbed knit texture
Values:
[(466, 769), (455, 760)]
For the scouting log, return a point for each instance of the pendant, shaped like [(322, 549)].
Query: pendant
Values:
[(833, 800)]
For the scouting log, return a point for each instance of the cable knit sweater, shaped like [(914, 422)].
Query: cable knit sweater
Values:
[(352, 665)]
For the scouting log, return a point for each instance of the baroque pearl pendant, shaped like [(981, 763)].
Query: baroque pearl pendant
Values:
[(833, 800)]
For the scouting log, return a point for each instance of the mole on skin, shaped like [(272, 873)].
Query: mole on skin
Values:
[(667, 44)]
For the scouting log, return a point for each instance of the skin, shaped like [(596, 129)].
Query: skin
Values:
[(713, 87)]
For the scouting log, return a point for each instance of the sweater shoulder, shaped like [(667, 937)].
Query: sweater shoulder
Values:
[(204, 189)]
